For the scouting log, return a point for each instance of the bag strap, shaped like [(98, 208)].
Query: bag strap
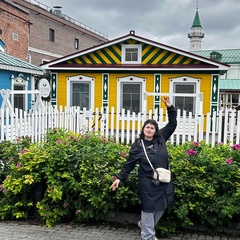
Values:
[(144, 149)]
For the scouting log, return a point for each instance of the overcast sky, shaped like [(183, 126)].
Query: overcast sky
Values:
[(165, 21)]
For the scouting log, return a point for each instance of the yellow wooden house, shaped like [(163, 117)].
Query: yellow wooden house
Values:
[(132, 73)]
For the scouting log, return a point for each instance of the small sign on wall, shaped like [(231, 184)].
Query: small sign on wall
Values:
[(44, 87)]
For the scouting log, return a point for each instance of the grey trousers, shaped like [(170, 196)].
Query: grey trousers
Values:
[(149, 221)]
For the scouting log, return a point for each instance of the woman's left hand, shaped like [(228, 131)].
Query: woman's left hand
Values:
[(167, 101), (115, 185)]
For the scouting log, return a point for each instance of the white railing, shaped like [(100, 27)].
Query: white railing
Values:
[(222, 126)]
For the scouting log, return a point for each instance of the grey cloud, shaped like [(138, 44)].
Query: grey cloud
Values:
[(166, 21)]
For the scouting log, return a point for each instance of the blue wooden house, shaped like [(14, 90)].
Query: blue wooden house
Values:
[(17, 82)]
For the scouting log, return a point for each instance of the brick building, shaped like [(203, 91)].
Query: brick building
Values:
[(48, 33), (14, 28)]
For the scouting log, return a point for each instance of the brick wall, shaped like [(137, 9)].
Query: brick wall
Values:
[(14, 26), (40, 48), (64, 39)]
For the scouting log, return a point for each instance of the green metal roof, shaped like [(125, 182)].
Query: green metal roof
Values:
[(229, 84), (196, 21), (228, 56), (11, 63)]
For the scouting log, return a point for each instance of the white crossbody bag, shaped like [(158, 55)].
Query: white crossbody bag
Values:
[(159, 174)]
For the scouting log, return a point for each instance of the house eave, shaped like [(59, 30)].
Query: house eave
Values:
[(136, 68), (19, 69)]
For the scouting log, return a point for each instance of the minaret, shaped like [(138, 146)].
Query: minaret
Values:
[(196, 33)]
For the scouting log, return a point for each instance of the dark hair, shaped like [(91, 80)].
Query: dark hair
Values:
[(155, 124)]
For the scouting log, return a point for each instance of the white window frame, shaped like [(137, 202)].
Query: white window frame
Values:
[(197, 108), (130, 79), (81, 79), (76, 43), (20, 80), (126, 46)]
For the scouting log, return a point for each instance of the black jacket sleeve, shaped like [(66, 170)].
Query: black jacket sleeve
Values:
[(130, 164), (168, 130)]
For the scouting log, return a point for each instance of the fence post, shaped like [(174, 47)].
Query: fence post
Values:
[(223, 125)]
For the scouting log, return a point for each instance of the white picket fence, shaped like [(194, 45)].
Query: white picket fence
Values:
[(222, 126)]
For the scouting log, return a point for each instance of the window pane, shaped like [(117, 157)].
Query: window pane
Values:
[(185, 103), (184, 88), (51, 35), (131, 97), (131, 54), (80, 93), (235, 100), (19, 98), (76, 43)]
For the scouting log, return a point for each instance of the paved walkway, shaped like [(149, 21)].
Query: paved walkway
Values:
[(29, 231)]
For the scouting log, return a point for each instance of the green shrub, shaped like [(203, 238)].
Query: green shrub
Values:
[(206, 184), (12, 188), (75, 172)]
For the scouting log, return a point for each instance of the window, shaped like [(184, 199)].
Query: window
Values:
[(186, 85), (131, 97), (51, 35), (80, 92), (19, 101), (15, 36), (76, 43), (185, 103), (215, 55), (131, 53)]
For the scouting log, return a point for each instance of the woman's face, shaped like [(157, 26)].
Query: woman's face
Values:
[(149, 131)]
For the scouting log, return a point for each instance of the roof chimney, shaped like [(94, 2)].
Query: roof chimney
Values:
[(58, 11)]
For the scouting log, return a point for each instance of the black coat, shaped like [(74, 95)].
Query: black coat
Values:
[(153, 197)]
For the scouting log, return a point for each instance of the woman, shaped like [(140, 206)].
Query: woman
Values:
[(153, 197)]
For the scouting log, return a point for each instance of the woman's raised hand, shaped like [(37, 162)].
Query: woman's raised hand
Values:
[(167, 101)]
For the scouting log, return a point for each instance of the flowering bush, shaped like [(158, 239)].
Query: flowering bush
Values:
[(206, 183), (75, 172)]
